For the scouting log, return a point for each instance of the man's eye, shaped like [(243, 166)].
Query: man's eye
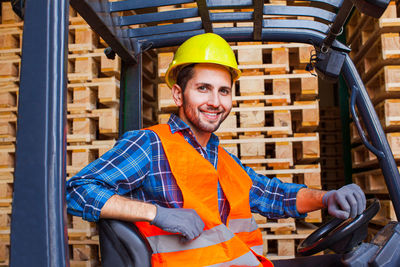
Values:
[(225, 91), (202, 88)]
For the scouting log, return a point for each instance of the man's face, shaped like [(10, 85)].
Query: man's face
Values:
[(207, 99)]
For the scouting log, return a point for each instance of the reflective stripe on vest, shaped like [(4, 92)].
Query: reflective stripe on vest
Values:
[(197, 179), (243, 225), (247, 259), (173, 243)]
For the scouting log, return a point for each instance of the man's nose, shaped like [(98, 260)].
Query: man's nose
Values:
[(213, 99)]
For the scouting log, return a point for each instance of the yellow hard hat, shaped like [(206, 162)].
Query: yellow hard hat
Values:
[(203, 48)]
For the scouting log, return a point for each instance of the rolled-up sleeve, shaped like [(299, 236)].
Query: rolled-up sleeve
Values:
[(271, 197), (119, 171)]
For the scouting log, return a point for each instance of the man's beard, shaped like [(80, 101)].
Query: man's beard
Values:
[(194, 119)]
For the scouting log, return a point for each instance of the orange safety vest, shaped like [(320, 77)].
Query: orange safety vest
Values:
[(233, 244)]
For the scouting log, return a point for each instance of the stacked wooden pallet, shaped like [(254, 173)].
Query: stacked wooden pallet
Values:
[(376, 54), (331, 148), (10, 58), (93, 114)]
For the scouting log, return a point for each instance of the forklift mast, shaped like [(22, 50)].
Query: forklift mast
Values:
[(38, 229)]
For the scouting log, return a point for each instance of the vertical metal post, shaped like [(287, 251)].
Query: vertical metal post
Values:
[(345, 120), (344, 100), (131, 96), (38, 229)]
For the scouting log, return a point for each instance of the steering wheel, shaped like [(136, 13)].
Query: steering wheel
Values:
[(350, 231)]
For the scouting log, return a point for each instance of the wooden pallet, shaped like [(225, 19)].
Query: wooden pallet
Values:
[(82, 39), (374, 42), (386, 214), (89, 95), (79, 155), (83, 126), (5, 217), (385, 50), (4, 248), (85, 252), (85, 67), (282, 246), (299, 54), (384, 84), (372, 182), (360, 26), (306, 151), (9, 68), (11, 39), (388, 112), (363, 158)]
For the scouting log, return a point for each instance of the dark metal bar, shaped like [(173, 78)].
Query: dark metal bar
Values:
[(130, 5), (257, 18), (344, 100), (229, 3), (97, 15), (296, 24), (244, 34), (231, 16), (334, 3), (205, 15), (170, 39), (375, 132), (299, 11), (337, 26), (131, 96), (38, 230), (158, 17), (163, 29)]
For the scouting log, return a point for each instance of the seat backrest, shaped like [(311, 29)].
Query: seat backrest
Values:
[(122, 245)]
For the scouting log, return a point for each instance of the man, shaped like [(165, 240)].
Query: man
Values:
[(188, 196)]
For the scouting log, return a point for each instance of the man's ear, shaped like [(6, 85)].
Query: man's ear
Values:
[(177, 95)]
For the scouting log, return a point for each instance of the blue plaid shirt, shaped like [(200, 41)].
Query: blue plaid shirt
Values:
[(136, 167)]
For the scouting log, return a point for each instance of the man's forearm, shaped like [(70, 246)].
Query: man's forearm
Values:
[(121, 208), (308, 200)]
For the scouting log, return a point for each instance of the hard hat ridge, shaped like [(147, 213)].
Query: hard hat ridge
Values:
[(203, 48)]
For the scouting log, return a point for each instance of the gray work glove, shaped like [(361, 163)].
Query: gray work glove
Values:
[(348, 201), (178, 220)]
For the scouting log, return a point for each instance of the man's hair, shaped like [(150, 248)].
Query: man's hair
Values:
[(186, 73)]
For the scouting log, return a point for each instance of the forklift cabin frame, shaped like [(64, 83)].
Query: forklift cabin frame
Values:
[(38, 230)]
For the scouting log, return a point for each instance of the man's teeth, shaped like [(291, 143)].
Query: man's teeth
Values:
[(210, 114)]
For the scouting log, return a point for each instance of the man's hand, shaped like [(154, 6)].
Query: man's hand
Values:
[(183, 221), (348, 201)]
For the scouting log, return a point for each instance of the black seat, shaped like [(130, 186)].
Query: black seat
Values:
[(122, 245)]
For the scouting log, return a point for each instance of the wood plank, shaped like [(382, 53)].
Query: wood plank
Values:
[(298, 105), (271, 140), (298, 169)]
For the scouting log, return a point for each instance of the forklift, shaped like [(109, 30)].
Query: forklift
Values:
[(38, 226)]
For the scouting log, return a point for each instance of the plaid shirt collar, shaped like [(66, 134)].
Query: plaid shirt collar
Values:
[(176, 124)]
